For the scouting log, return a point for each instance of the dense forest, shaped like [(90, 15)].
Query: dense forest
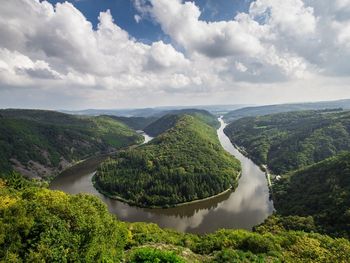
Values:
[(254, 111), (288, 141), (40, 225), (171, 117), (321, 191), (136, 123), (41, 143), (185, 163)]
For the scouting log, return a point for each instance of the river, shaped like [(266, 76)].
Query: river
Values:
[(244, 208)]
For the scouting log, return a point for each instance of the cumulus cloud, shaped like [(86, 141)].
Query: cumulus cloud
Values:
[(56, 49), (214, 39), (249, 37)]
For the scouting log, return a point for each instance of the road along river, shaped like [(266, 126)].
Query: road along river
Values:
[(244, 208)]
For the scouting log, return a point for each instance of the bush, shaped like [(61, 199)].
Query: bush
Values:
[(152, 255), (50, 226)]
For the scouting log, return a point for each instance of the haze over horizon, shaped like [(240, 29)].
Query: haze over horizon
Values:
[(148, 53)]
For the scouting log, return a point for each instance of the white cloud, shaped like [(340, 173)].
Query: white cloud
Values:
[(137, 18), (55, 48), (289, 17), (214, 39)]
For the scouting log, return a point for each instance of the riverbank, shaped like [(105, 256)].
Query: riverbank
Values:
[(245, 207), (132, 203), (98, 155), (263, 167)]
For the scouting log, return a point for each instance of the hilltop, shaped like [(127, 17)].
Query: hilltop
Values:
[(168, 120)]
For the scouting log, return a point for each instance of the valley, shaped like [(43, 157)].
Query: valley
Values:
[(174, 131), (252, 221), (243, 208)]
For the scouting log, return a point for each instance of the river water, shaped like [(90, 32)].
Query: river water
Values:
[(244, 208)]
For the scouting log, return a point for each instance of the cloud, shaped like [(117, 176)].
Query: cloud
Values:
[(214, 39), (250, 38), (56, 49), (291, 18), (137, 18)]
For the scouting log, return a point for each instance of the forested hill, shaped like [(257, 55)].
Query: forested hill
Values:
[(185, 163), (280, 108), (321, 191), (40, 225), (288, 141), (171, 117), (136, 123), (41, 143)]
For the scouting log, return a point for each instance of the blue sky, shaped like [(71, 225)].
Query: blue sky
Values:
[(147, 31)]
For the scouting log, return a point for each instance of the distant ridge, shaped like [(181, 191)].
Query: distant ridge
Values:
[(159, 111), (280, 108)]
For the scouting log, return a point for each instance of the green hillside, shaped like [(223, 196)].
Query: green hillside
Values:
[(40, 143), (40, 225), (288, 141), (170, 118), (321, 191), (280, 108), (136, 123), (183, 164)]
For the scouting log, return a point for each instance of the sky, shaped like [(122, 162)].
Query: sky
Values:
[(144, 53)]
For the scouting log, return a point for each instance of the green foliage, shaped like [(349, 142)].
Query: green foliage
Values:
[(142, 233), (321, 191), (277, 223), (136, 123), (48, 137), (40, 225), (161, 125), (288, 141), (233, 256), (244, 246), (183, 164), (18, 182), (151, 255), (169, 120)]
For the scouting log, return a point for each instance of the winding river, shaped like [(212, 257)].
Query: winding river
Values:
[(244, 208)]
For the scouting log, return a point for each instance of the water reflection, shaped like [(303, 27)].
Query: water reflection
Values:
[(247, 206), (145, 135)]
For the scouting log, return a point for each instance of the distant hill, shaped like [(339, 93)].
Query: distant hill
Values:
[(41, 143), (145, 112), (280, 108), (184, 163), (288, 141), (321, 191), (136, 123), (217, 110), (167, 121)]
